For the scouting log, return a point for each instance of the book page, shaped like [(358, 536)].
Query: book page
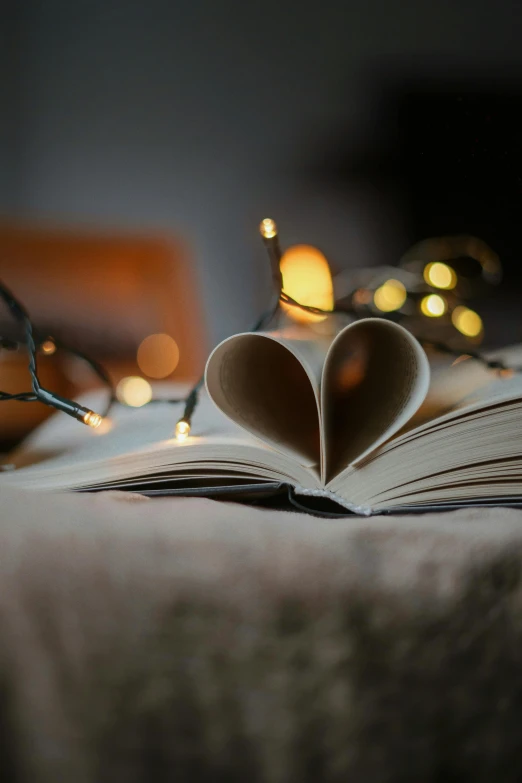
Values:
[(375, 378), (473, 452), (448, 386), (268, 383), (470, 452), (467, 383), (498, 390), (128, 430), (140, 444)]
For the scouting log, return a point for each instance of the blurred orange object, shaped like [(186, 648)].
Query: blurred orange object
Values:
[(19, 418), (104, 293)]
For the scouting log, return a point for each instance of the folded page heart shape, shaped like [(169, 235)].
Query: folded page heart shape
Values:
[(325, 405)]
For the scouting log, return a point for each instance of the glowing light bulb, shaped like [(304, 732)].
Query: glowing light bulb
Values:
[(48, 347), (268, 228), (158, 355), (92, 419), (390, 296), (134, 391), (182, 430), (440, 275), (307, 279), (468, 322), (433, 306)]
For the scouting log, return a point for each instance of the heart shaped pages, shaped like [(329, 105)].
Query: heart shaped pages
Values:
[(325, 405)]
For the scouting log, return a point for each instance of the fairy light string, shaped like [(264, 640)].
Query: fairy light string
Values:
[(392, 295), (387, 299), (39, 394)]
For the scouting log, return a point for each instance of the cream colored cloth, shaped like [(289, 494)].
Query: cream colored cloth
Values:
[(191, 640)]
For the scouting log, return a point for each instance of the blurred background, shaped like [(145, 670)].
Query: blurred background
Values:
[(142, 142)]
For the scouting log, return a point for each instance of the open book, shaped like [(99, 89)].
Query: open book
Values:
[(357, 421)]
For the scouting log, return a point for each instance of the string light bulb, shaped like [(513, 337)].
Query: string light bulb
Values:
[(468, 322), (72, 408), (433, 305), (268, 228), (182, 430), (92, 419), (48, 347), (390, 296), (440, 275)]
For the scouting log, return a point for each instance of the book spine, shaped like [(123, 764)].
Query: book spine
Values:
[(364, 511)]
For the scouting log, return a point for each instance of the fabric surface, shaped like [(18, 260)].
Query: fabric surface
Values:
[(188, 640)]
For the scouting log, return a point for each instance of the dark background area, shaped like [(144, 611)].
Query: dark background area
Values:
[(360, 126)]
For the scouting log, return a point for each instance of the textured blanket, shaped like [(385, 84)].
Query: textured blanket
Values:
[(187, 640)]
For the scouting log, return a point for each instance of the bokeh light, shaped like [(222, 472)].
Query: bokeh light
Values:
[(307, 279), (468, 322), (440, 275), (390, 296), (158, 355), (433, 305), (134, 391)]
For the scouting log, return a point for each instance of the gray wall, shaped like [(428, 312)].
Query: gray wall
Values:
[(201, 117)]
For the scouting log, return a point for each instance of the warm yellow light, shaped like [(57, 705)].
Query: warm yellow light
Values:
[(390, 296), (268, 228), (468, 322), (92, 419), (433, 305), (105, 426), (307, 279), (134, 391), (440, 275), (48, 347), (182, 430), (158, 355)]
